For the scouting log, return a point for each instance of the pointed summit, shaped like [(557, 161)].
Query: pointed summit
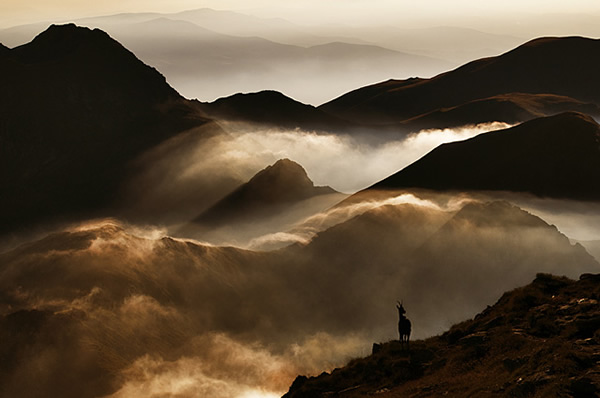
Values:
[(281, 182), (85, 53), (276, 186), (76, 109)]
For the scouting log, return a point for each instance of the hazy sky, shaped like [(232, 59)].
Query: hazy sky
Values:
[(14, 12)]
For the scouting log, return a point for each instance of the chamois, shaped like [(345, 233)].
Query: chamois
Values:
[(403, 325)]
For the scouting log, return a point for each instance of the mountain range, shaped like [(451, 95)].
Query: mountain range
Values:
[(541, 66), (101, 307), (207, 64), (272, 108), (100, 108), (486, 90), (437, 48)]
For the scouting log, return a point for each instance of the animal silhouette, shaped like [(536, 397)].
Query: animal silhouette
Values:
[(404, 325)]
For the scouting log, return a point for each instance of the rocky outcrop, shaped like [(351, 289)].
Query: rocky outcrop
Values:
[(540, 339)]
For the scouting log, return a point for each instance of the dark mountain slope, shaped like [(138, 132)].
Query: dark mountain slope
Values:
[(270, 191), (561, 66), (274, 109), (76, 107), (536, 341), (556, 156), (509, 108), (426, 255)]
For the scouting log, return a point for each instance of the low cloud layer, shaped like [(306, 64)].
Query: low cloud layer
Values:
[(345, 163), (177, 181), (98, 311), (305, 230)]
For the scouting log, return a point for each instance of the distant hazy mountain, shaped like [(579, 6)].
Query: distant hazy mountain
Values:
[(76, 107), (453, 43), (555, 156), (593, 247), (207, 64), (244, 25), (542, 66), (275, 109)]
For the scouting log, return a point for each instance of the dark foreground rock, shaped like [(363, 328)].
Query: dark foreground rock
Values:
[(539, 340)]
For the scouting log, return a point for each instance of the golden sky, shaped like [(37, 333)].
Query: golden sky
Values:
[(15, 12)]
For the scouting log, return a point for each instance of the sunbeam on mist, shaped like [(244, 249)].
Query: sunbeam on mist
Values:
[(111, 314), (345, 163), (178, 180), (306, 229)]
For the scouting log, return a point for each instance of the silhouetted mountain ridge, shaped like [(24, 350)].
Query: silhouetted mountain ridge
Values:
[(509, 108), (274, 109), (541, 66), (557, 156), (76, 109)]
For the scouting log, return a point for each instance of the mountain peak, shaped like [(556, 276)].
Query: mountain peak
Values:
[(549, 65), (61, 40), (77, 108), (284, 182), (280, 174), (92, 51)]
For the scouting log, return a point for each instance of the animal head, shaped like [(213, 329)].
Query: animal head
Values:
[(400, 307)]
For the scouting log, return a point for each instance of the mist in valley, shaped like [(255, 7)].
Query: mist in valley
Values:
[(150, 300), (124, 311), (178, 180), (117, 309)]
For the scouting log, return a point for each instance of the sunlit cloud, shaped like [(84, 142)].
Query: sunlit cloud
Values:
[(305, 230), (186, 175), (343, 162)]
